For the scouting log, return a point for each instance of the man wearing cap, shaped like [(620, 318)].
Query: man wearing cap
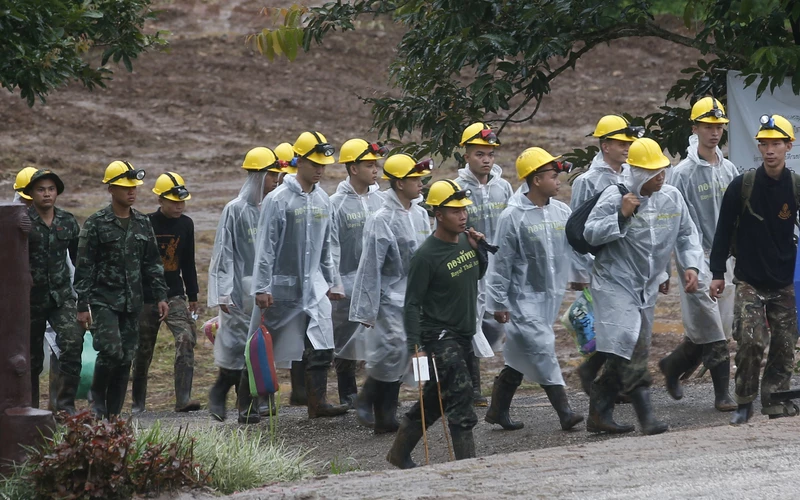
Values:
[(53, 239), (230, 277), (294, 278), (391, 236), (639, 232), (356, 198), (526, 284), (756, 225), (117, 256), (702, 179), (174, 233), (490, 193), (439, 317), (615, 136)]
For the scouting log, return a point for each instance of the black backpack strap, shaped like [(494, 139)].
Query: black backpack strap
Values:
[(796, 192), (748, 180)]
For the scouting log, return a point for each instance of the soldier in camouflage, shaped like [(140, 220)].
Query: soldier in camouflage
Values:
[(53, 236), (117, 253)]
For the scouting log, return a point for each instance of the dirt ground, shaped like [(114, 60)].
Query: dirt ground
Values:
[(199, 107)]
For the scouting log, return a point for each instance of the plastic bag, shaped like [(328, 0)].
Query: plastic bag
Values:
[(88, 359), (260, 361), (579, 322), (210, 328)]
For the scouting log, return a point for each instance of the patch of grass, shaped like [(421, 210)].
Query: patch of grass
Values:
[(339, 465), (17, 486)]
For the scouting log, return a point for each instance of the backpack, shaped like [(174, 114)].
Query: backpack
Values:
[(748, 181), (260, 362), (577, 222)]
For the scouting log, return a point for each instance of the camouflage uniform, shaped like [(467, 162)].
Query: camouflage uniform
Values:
[(456, 384), (754, 308), (113, 261), (52, 297)]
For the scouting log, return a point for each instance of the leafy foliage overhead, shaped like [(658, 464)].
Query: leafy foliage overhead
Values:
[(495, 60), (45, 44)]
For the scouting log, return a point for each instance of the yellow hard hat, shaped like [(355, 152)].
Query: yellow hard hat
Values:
[(775, 127), (647, 154), (22, 180), (709, 110), (170, 186), (617, 127), (261, 158), (403, 166), (448, 193), (356, 150), (286, 157), (313, 146), (122, 173), (533, 159), (479, 134)]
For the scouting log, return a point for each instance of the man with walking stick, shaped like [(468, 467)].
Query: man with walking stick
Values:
[(439, 318)]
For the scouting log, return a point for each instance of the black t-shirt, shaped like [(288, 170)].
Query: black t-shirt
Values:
[(176, 245), (765, 248)]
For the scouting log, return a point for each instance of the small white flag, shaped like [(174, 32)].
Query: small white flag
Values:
[(421, 373)]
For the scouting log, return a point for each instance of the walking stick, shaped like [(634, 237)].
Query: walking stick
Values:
[(422, 406), (441, 409)]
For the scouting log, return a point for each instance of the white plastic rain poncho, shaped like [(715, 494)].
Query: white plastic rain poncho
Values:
[(627, 272), (488, 202), (293, 263), (350, 213), (599, 176), (231, 271), (528, 278), (703, 186), (391, 236)]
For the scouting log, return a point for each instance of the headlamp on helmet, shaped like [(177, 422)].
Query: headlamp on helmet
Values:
[(768, 123), (418, 168), (287, 164), (458, 196), (715, 112), (323, 148), (632, 131), (130, 174), (487, 135), (374, 148)]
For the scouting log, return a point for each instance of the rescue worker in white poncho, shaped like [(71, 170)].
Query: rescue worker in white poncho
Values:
[(297, 373), (294, 278), (526, 283), (356, 198), (702, 179), (615, 136), (639, 231), (229, 278), (490, 193), (391, 236)]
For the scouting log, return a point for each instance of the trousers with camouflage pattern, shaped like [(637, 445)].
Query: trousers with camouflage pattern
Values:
[(763, 318), (451, 363)]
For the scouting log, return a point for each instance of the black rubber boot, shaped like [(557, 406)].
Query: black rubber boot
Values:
[(365, 401), (386, 408), (138, 394), (742, 414), (267, 407), (463, 442), (558, 398), (601, 412), (218, 394), (474, 366), (184, 375), (34, 390), (298, 396), (246, 403), (589, 369), (502, 394), (640, 399), (100, 381), (674, 365), (317, 392), (54, 382), (348, 389), (65, 399), (407, 437), (117, 389), (721, 375)]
